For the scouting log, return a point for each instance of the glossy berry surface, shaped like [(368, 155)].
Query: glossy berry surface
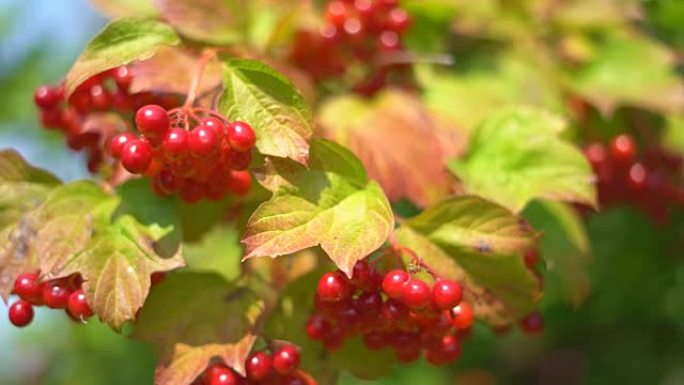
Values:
[(56, 295), (446, 294), (175, 143), (394, 282), (333, 287), (220, 375), (136, 156), (21, 313), (241, 136), (28, 288), (152, 121), (203, 141), (416, 294), (463, 316), (78, 305), (286, 359), (48, 97), (258, 366), (117, 144), (533, 323)]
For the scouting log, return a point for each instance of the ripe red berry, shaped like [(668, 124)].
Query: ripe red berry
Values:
[(219, 375), (333, 287), (623, 148), (136, 156), (637, 177), (286, 359), (462, 316), (258, 366), (595, 153), (336, 13), (21, 313), (446, 294), (240, 182), (241, 136), (56, 295), (394, 282), (203, 141), (119, 142), (123, 77), (533, 323), (389, 41), (47, 97), (78, 305), (446, 352), (369, 303), (237, 160), (416, 294), (317, 327), (152, 121), (531, 257), (52, 118), (193, 191), (398, 20), (175, 143), (216, 124), (28, 288)]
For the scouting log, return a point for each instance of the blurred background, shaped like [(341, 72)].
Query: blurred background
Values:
[(630, 330)]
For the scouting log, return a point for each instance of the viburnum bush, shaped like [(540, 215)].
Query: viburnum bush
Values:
[(285, 190)]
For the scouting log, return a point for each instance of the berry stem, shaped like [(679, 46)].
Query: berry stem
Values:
[(206, 56), (415, 258)]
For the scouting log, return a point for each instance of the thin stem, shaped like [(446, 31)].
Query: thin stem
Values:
[(205, 58), (415, 258)]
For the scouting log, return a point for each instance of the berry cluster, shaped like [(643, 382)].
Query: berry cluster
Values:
[(391, 310), (105, 92), (650, 180), (355, 33), (208, 161), (262, 368), (62, 293)]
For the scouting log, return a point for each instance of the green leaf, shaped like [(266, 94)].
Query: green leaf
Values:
[(219, 251), (23, 188), (480, 243), (565, 247), (198, 310), (630, 70), (217, 22), (329, 204), (516, 155), (121, 42), (257, 94)]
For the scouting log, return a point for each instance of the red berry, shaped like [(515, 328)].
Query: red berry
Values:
[(333, 287), (258, 366), (595, 153), (374, 340), (193, 191), (336, 13), (416, 294), (136, 156), (446, 294), (47, 97), (398, 20), (531, 257), (219, 375), (389, 41), (99, 97), (175, 143), (21, 313), (238, 160), (394, 282), (216, 124), (28, 288), (637, 177), (533, 323), (78, 305), (462, 316), (240, 183), (286, 359), (241, 136), (119, 142), (369, 303), (56, 295), (317, 327), (152, 121), (123, 77), (203, 141), (623, 148), (52, 118), (447, 352)]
